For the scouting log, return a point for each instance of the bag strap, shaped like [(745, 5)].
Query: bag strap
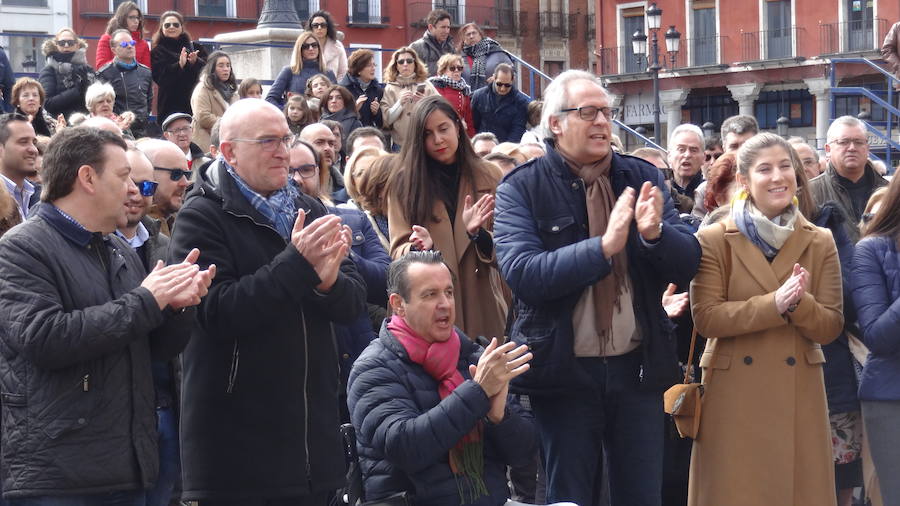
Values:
[(690, 358)]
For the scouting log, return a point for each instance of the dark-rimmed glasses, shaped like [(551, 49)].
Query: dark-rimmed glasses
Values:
[(175, 174), (306, 171), (713, 156), (147, 188), (590, 112), (65, 43), (405, 61), (318, 25), (846, 142), (455, 68), (310, 45), (269, 143), (503, 85), (171, 25)]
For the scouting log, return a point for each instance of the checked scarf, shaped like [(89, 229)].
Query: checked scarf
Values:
[(478, 52), (279, 208), (446, 82)]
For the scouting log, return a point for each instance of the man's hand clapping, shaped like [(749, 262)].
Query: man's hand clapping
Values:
[(324, 244), (497, 366), (179, 285)]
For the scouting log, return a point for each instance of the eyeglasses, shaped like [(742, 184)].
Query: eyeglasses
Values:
[(147, 188), (175, 174), (65, 43), (183, 130), (590, 112), (171, 25), (846, 142), (503, 85), (319, 25), (455, 68), (713, 156), (311, 45), (127, 43), (405, 61), (269, 143), (307, 170)]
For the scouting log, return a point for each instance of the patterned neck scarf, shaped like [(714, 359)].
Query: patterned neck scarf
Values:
[(279, 208), (768, 235), (479, 52), (446, 82)]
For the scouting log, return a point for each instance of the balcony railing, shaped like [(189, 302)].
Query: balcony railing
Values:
[(700, 51), (460, 13), (368, 12), (246, 11), (769, 44), (620, 60), (556, 24), (852, 36)]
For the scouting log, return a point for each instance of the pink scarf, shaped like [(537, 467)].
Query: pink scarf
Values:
[(439, 360)]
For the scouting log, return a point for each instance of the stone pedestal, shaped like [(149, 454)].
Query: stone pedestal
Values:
[(255, 53), (745, 95), (820, 87), (671, 101)]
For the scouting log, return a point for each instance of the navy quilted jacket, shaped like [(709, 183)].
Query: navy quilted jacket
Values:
[(876, 293), (405, 430)]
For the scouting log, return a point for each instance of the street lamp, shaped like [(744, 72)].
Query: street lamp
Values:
[(639, 46), (781, 126)]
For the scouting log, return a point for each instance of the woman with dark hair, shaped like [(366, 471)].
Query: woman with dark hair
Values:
[(334, 55), (875, 283), (177, 64), (365, 88), (442, 198), (450, 84), (405, 83), (767, 295), (216, 90), (481, 55), (128, 16), (339, 106), (67, 75), (307, 61), (28, 100)]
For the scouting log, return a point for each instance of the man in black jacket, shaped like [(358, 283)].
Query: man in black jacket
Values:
[(500, 108), (132, 81), (260, 394), (80, 323)]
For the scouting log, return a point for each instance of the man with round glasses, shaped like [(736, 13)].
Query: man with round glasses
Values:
[(501, 108), (170, 171), (132, 81), (588, 240), (849, 179)]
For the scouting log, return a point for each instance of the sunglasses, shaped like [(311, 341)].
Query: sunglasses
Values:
[(504, 85), (171, 25), (405, 61), (307, 170), (65, 43), (147, 188), (319, 25), (175, 174), (312, 45), (454, 68), (713, 156), (129, 43)]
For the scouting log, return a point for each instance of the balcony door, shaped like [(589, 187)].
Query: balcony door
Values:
[(860, 14), (778, 33), (704, 39)]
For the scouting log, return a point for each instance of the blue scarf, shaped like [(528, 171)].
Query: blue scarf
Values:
[(766, 234), (126, 66), (279, 208)]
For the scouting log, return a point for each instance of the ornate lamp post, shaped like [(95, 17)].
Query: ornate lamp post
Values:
[(639, 47)]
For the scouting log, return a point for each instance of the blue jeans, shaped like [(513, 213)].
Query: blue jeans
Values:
[(169, 458), (127, 498), (615, 417)]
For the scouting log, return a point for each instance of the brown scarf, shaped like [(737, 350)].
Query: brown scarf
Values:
[(600, 199)]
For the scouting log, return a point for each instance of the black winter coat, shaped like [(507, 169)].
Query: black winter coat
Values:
[(375, 91), (134, 92), (349, 122), (65, 79), (175, 83), (76, 341), (260, 393), (505, 116), (405, 430)]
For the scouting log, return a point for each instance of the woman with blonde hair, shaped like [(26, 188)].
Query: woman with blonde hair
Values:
[(405, 83), (767, 296), (67, 75), (306, 61), (454, 88)]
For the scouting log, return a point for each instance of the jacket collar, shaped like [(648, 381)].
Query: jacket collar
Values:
[(73, 231), (432, 41), (875, 179), (770, 276)]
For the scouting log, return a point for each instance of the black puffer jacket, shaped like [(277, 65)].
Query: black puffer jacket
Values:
[(176, 83), (375, 91), (259, 409), (134, 92), (76, 342), (65, 78)]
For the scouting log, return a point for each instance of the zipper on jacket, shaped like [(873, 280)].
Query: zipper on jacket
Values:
[(235, 361), (85, 383), (305, 397)]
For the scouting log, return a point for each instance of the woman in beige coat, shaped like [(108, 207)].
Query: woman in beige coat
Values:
[(405, 83), (216, 90), (442, 198), (767, 296)]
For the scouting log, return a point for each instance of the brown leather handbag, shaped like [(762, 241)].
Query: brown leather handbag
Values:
[(685, 400)]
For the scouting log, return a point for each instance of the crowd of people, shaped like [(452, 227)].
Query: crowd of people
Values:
[(487, 289)]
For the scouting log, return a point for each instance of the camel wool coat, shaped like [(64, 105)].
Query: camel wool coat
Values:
[(480, 305), (764, 433), (208, 106)]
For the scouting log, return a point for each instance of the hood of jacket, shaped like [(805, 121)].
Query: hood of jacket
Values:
[(49, 47)]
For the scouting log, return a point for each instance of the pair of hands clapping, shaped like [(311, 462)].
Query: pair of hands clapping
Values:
[(324, 244), (496, 367), (374, 106), (187, 57), (645, 210), (791, 292), (179, 285), (474, 217)]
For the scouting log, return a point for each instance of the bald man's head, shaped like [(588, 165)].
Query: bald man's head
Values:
[(170, 170), (323, 139), (234, 123), (101, 123)]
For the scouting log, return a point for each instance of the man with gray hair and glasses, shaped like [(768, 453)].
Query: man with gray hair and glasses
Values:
[(849, 179), (588, 239)]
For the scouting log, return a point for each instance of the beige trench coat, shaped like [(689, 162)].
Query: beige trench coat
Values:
[(480, 306), (208, 106), (392, 92), (764, 434)]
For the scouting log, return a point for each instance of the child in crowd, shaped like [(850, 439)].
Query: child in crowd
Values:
[(296, 110), (250, 88)]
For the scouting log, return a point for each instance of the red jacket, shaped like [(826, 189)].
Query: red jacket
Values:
[(105, 54), (462, 104)]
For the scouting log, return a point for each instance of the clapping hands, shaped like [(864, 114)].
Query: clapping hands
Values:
[(179, 285), (791, 292), (324, 244)]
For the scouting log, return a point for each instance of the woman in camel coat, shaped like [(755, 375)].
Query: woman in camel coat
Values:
[(766, 305), (216, 90), (440, 157)]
